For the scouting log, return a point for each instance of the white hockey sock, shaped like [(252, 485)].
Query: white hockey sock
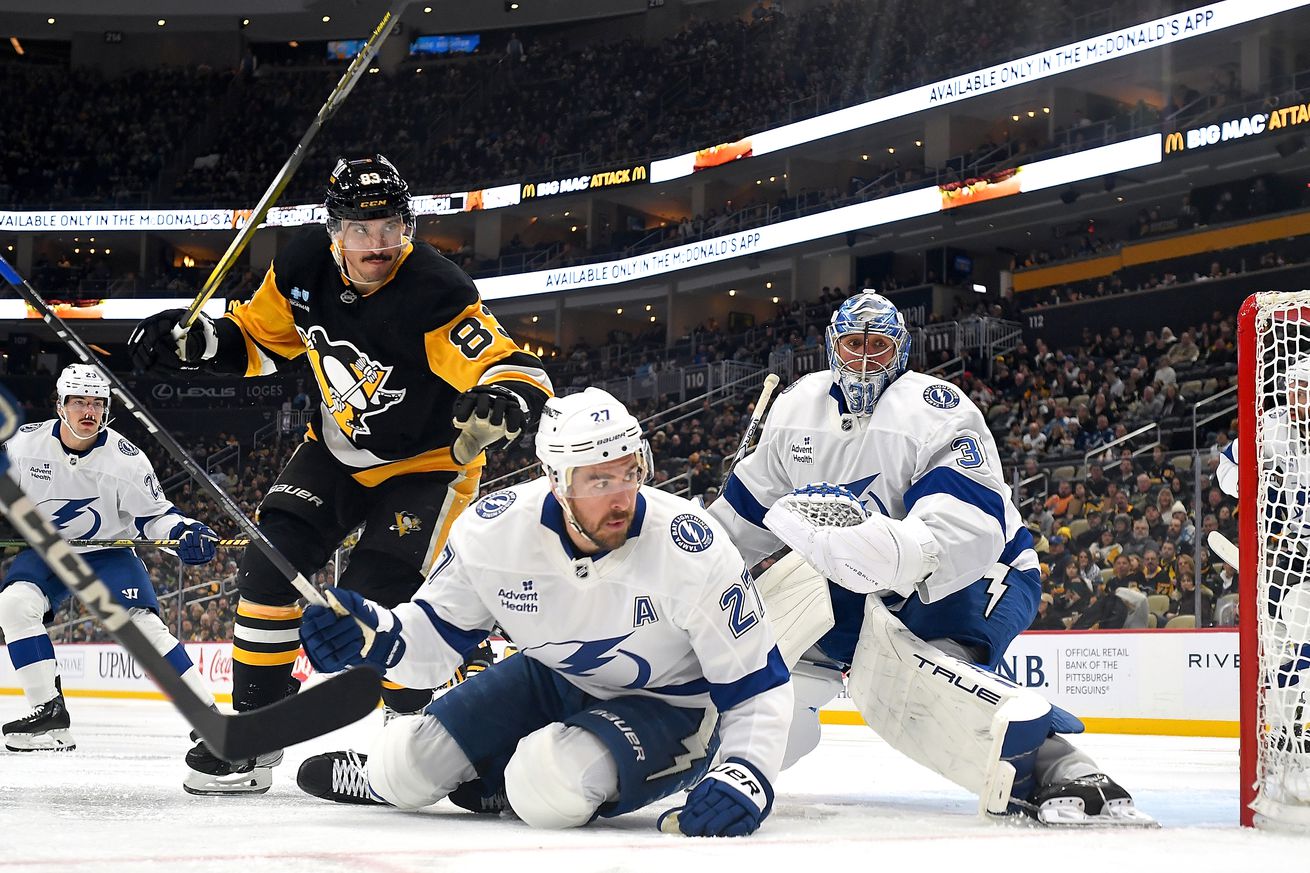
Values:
[(168, 646), (22, 605)]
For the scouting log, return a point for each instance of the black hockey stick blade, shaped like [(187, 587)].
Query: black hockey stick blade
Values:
[(331, 704)]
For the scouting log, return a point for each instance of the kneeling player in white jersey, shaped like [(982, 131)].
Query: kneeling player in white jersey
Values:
[(93, 484), (906, 463), (643, 651)]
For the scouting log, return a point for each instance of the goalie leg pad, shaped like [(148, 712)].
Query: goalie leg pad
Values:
[(953, 717), (796, 600), (415, 762), (559, 776)]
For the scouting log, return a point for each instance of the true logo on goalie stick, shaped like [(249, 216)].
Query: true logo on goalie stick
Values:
[(941, 397), (494, 504), (690, 533), (407, 523)]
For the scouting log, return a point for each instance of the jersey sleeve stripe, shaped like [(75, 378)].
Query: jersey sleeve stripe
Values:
[(682, 689), (740, 498), (1228, 451), (771, 675), (459, 640), (943, 480)]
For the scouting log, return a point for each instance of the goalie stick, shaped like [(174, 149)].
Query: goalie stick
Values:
[(325, 707)]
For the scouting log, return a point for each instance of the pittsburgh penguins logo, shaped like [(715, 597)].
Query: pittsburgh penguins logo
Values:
[(352, 384), (406, 523)]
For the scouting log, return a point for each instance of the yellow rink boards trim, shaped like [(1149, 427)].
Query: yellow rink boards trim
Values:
[(1164, 726)]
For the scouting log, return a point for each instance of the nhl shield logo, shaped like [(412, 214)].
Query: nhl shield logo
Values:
[(407, 523)]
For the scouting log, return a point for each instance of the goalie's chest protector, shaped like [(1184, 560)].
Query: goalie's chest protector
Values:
[(386, 375), (813, 438)]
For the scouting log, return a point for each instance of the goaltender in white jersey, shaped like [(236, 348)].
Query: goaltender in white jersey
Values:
[(888, 482), (92, 483), (643, 649)]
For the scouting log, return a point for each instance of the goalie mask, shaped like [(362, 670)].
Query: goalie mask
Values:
[(81, 380), (868, 349), (590, 429), (368, 213)]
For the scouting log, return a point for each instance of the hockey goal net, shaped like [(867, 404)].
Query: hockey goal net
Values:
[(1274, 546)]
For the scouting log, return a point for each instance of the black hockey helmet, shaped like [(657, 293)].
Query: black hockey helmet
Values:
[(360, 189)]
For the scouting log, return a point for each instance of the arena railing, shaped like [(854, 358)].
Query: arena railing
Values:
[(1127, 439)]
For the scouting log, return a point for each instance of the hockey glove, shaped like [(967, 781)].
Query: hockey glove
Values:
[(730, 801), (487, 415), (828, 527), (154, 345), (195, 542), (335, 638)]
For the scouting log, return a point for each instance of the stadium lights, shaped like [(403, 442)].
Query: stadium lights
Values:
[(775, 299), (418, 69), (864, 157), (535, 318), (768, 284), (919, 143), (652, 319), (161, 22), (374, 70), (1046, 109), (327, 18), (1032, 114), (891, 150), (245, 22), (1014, 117), (648, 306), (619, 311), (427, 10), (732, 292), (49, 21), (294, 44)]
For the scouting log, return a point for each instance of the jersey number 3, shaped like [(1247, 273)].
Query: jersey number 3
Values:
[(971, 455)]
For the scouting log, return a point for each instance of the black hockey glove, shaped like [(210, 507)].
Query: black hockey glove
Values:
[(487, 415), (153, 346)]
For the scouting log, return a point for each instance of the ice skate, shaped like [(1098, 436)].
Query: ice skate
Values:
[(44, 729), (211, 775), (1089, 801), (337, 776)]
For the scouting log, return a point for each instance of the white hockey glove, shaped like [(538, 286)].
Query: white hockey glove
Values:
[(860, 552), (487, 416)]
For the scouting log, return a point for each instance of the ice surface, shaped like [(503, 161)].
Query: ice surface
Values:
[(116, 804)]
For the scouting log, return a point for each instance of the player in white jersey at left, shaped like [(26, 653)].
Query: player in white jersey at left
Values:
[(888, 483), (643, 651), (93, 484)]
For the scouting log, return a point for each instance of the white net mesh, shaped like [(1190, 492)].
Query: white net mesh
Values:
[(1282, 592)]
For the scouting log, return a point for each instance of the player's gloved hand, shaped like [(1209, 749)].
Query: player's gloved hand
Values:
[(349, 632), (828, 527), (486, 415), (195, 542), (153, 344), (730, 801)]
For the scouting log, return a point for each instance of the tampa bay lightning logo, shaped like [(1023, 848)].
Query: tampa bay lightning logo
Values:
[(494, 504), (28, 428), (75, 519), (127, 448), (591, 655), (863, 491), (941, 396), (690, 533)]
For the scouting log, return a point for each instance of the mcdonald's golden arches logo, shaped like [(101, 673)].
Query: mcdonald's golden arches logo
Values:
[(1173, 142)]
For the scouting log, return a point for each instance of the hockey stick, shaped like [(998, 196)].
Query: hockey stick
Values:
[(118, 544), (757, 416), (333, 704), (167, 440), (348, 81), (1223, 547)]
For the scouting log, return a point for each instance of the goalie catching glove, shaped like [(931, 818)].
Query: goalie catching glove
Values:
[(158, 343), (861, 552), (487, 415), (353, 631)]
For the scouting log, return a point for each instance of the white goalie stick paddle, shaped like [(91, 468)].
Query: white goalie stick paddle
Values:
[(325, 707), (1224, 548)]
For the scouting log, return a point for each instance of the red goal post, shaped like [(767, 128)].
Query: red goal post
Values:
[(1273, 457)]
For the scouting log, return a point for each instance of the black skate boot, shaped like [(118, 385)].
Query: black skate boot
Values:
[(44, 729), (1095, 801), (474, 796), (211, 775), (337, 776)]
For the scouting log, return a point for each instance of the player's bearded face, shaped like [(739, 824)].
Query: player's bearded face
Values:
[(84, 414), (370, 248), (603, 499), (861, 352)]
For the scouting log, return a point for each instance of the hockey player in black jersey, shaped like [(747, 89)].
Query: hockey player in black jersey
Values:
[(406, 358)]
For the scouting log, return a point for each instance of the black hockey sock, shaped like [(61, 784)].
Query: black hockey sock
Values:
[(264, 646), (405, 700)]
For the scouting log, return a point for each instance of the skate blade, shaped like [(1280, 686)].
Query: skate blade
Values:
[(51, 741), (1115, 814), (257, 781)]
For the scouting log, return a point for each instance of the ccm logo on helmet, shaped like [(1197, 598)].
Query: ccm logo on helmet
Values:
[(367, 203)]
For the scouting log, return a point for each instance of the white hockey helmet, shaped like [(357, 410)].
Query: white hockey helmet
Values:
[(82, 380), (590, 427)]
